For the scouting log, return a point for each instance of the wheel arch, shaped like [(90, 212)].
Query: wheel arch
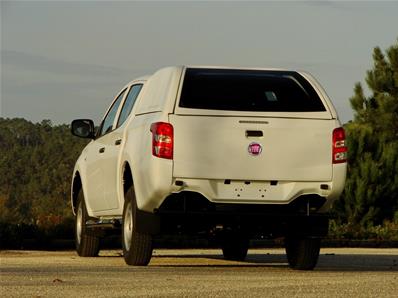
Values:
[(76, 187), (127, 177), (145, 222)]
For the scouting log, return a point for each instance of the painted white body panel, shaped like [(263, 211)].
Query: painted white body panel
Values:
[(210, 147)]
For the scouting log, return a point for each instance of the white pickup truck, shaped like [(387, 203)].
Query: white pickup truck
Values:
[(233, 152)]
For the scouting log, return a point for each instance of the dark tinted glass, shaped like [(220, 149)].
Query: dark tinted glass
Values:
[(110, 117), (248, 90), (129, 103)]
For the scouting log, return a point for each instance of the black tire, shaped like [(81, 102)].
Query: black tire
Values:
[(86, 242), (235, 247), (302, 253), (137, 247)]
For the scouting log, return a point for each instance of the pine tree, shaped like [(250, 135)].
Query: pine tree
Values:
[(371, 192)]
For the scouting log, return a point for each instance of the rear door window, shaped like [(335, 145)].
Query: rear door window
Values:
[(248, 90), (129, 103), (107, 124)]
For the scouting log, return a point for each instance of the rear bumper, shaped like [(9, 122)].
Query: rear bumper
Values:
[(258, 192)]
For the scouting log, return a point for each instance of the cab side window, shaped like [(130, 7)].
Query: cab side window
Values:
[(129, 103), (110, 117)]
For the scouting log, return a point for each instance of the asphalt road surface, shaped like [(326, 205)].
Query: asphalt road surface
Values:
[(199, 273)]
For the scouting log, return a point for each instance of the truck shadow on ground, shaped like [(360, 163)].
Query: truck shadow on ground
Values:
[(326, 262)]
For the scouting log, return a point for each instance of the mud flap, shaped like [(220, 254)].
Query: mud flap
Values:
[(309, 226)]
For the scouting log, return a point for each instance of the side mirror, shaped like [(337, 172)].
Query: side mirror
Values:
[(83, 128)]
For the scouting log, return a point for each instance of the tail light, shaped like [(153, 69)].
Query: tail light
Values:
[(339, 146), (162, 140)]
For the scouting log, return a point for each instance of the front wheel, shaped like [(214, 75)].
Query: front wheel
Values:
[(302, 253), (86, 242), (137, 247)]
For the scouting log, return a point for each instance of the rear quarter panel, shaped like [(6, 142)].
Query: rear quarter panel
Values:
[(152, 176)]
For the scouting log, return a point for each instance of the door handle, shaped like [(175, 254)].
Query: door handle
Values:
[(254, 133), (102, 150), (118, 142)]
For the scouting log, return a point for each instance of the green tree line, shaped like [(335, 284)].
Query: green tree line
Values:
[(36, 164), (37, 160)]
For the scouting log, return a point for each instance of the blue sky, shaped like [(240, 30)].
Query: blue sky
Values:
[(67, 60)]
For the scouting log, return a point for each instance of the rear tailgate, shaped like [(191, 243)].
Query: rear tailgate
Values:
[(217, 147), (222, 114)]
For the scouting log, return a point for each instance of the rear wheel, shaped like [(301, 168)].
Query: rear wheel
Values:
[(86, 242), (302, 253), (137, 247), (235, 246)]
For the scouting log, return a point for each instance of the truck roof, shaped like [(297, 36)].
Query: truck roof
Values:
[(181, 67)]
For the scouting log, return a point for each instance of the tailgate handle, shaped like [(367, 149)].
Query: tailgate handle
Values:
[(254, 133)]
